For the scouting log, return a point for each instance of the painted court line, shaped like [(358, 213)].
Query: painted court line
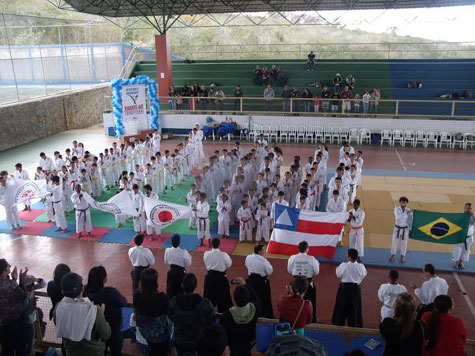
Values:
[(464, 293), (400, 159)]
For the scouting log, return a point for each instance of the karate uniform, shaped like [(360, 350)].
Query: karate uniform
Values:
[(12, 215), (57, 206), (357, 231), (307, 266), (258, 268), (47, 165), (96, 183), (462, 250), (348, 298), (191, 199), (83, 215), (387, 294), (336, 207), (431, 289), (263, 225), (141, 258), (85, 182), (223, 210), (178, 259), (140, 224), (401, 229), (216, 286), (151, 228), (245, 230), (202, 214)]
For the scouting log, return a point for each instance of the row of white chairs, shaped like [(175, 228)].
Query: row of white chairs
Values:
[(310, 134), (437, 139)]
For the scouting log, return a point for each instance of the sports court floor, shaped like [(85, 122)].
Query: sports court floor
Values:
[(437, 180)]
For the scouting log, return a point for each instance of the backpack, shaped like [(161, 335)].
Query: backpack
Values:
[(155, 330)]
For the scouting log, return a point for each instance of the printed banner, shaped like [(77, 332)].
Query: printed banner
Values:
[(161, 213), (18, 191), (134, 106), (119, 204)]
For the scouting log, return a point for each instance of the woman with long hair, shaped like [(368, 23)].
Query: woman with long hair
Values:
[(403, 334), (151, 313), (446, 333), (113, 302), (54, 287)]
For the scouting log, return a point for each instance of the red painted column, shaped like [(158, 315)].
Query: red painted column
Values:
[(164, 65)]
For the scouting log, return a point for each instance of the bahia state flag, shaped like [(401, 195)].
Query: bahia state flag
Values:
[(292, 226), (441, 228)]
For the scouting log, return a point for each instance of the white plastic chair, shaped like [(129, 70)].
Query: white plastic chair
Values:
[(386, 135), (318, 134), (309, 131), (344, 132), (292, 133), (458, 139), (273, 132), (365, 135), (354, 135), (446, 138), (327, 133), (266, 132), (301, 133), (335, 134), (409, 136), (431, 138), (284, 133), (254, 132), (398, 137), (469, 139), (420, 138)]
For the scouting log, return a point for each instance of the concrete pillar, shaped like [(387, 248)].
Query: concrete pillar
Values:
[(164, 65)]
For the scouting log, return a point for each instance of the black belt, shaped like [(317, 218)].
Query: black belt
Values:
[(258, 275), (83, 213), (176, 267), (204, 223), (52, 205), (348, 284), (141, 268), (399, 228), (212, 271)]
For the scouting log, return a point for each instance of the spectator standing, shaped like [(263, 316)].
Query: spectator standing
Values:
[(446, 333), (310, 64), (307, 94), (357, 103), (113, 302), (220, 98), (273, 74), (212, 96), (286, 94), (237, 94), (375, 97), (185, 93), (240, 320), (151, 314), (12, 301), (202, 97), (430, 289), (258, 75), (54, 287), (213, 341), (402, 333), (269, 95), (141, 259), (346, 95), (189, 314), (194, 93), (179, 101), (388, 293), (366, 100), (295, 102), (293, 308), (265, 76), (316, 103), (325, 95), (337, 81), (79, 322), (172, 97), (281, 77), (335, 102), (31, 283), (350, 81)]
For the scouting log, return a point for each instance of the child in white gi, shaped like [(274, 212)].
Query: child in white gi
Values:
[(244, 216), (56, 191), (81, 201), (191, 200), (151, 228), (12, 215), (96, 181), (202, 214), (402, 227), (356, 219), (388, 293), (223, 208), (140, 225), (462, 250), (263, 223)]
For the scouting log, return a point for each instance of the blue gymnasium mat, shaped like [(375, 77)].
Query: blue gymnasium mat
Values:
[(233, 231), (118, 236), (59, 234), (5, 228)]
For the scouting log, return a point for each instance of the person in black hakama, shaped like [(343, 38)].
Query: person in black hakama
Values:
[(178, 259)]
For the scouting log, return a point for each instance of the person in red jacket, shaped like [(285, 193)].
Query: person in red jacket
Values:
[(446, 333), (293, 308)]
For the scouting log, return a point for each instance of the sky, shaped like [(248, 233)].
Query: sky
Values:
[(452, 24)]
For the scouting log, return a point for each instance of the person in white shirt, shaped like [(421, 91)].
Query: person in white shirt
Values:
[(402, 227), (263, 223), (202, 214), (141, 259), (348, 298), (151, 227), (462, 250), (388, 293), (11, 212), (56, 191), (337, 205), (258, 268), (46, 163), (178, 259), (140, 224), (431, 288), (244, 216), (280, 200), (23, 175), (356, 234), (216, 287), (223, 208), (302, 264), (191, 200), (81, 201)]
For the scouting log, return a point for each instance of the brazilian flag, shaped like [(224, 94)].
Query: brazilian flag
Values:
[(441, 228)]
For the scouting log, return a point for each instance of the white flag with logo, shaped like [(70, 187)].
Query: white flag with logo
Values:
[(19, 191), (119, 204), (162, 213)]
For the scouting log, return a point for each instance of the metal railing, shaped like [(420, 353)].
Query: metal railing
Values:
[(393, 50), (442, 108)]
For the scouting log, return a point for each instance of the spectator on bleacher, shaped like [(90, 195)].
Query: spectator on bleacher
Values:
[(286, 94), (375, 97), (79, 322), (12, 299), (316, 103), (54, 286), (292, 308), (185, 93), (258, 75), (151, 313), (212, 96), (325, 94), (194, 90), (350, 81), (366, 100), (335, 102), (295, 94), (402, 333), (240, 320), (307, 94), (346, 95), (265, 76), (446, 333), (357, 103), (281, 77), (273, 74), (337, 80), (172, 97), (220, 98), (202, 94), (113, 302), (310, 64), (189, 313), (269, 95), (237, 94), (467, 94), (31, 284), (212, 341)]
